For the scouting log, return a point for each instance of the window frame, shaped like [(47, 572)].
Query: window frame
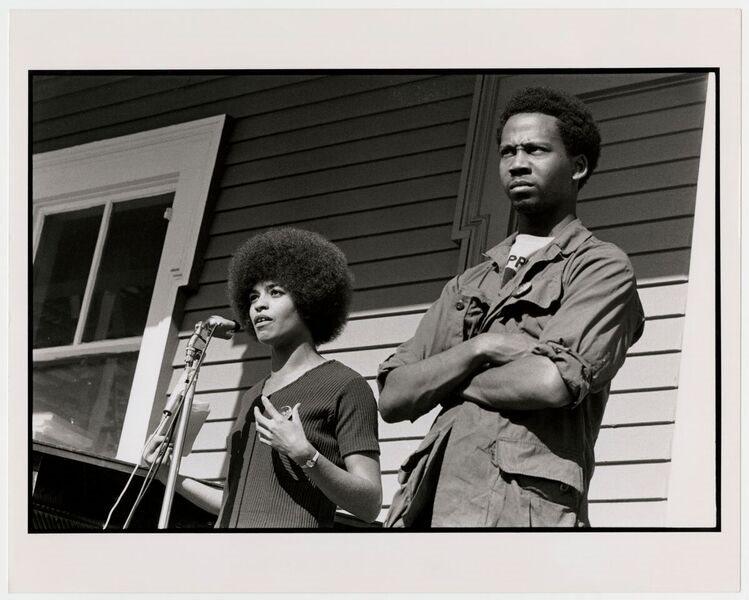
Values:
[(78, 347), (179, 159)]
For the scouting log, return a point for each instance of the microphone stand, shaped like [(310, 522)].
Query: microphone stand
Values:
[(193, 361), (179, 406)]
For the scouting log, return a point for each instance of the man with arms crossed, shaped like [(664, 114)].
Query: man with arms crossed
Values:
[(521, 349)]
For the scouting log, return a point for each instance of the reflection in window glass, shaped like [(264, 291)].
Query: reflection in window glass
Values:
[(61, 267), (80, 404), (127, 273)]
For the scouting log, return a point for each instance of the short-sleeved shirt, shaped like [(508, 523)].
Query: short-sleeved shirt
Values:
[(266, 489), (576, 300)]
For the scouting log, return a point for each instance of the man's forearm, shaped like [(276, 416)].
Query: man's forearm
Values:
[(413, 390), (530, 383)]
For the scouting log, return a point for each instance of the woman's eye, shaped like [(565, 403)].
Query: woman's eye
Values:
[(276, 292)]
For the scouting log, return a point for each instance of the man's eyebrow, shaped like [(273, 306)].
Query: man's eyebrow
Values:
[(522, 144), (526, 143)]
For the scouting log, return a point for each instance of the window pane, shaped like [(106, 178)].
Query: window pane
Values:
[(80, 404), (61, 267), (127, 273)]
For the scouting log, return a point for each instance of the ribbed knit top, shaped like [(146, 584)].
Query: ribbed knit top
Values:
[(266, 489)]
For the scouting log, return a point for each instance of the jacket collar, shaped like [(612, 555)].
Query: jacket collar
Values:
[(565, 242)]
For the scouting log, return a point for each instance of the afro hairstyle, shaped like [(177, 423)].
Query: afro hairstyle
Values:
[(577, 127), (312, 269)]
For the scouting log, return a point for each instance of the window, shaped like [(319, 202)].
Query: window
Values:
[(116, 226), (93, 278)]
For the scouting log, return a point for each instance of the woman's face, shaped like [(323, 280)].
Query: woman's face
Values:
[(274, 316)]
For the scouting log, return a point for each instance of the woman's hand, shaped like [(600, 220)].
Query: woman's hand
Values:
[(283, 434), (357, 488), (151, 455), (206, 497)]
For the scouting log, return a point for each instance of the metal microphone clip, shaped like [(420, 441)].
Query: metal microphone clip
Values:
[(193, 351)]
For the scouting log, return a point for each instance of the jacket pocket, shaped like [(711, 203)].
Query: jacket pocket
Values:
[(475, 308), (526, 458), (543, 291), (546, 503), (418, 477), (547, 513)]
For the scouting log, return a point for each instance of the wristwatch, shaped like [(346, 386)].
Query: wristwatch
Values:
[(311, 462)]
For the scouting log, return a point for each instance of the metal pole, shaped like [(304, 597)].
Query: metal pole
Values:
[(179, 442), (193, 359)]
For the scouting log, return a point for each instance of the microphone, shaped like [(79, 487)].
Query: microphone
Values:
[(222, 328)]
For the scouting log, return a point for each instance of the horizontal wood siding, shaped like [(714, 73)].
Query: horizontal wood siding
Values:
[(372, 163), (643, 200)]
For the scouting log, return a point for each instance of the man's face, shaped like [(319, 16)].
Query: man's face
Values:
[(538, 175)]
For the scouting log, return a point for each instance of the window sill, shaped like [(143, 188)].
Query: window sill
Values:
[(84, 457)]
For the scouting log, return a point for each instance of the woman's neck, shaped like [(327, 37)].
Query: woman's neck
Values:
[(300, 356), (289, 363)]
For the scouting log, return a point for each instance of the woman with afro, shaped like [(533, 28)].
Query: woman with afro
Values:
[(305, 438)]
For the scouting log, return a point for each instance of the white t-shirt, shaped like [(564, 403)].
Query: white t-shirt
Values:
[(521, 250)]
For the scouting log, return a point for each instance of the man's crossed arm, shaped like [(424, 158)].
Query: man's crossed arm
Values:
[(496, 370)]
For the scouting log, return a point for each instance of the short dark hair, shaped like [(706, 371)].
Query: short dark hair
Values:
[(312, 269), (576, 124)]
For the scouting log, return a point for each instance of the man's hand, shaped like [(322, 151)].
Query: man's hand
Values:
[(529, 383), (414, 389), (501, 348)]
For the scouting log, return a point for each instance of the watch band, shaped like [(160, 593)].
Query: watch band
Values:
[(311, 462)]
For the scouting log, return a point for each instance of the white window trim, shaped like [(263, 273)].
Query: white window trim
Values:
[(128, 344), (180, 159)]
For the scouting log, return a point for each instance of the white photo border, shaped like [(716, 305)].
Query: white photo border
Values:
[(378, 562)]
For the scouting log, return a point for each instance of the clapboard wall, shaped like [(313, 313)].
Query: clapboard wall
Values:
[(371, 162), (642, 198), (374, 163)]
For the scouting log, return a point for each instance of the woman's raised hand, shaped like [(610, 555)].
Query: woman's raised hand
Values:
[(284, 434)]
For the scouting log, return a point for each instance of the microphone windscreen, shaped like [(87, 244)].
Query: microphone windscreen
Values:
[(222, 327)]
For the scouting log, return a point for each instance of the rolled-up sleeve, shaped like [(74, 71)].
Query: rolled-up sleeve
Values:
[(434, 325), (599, 318)]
